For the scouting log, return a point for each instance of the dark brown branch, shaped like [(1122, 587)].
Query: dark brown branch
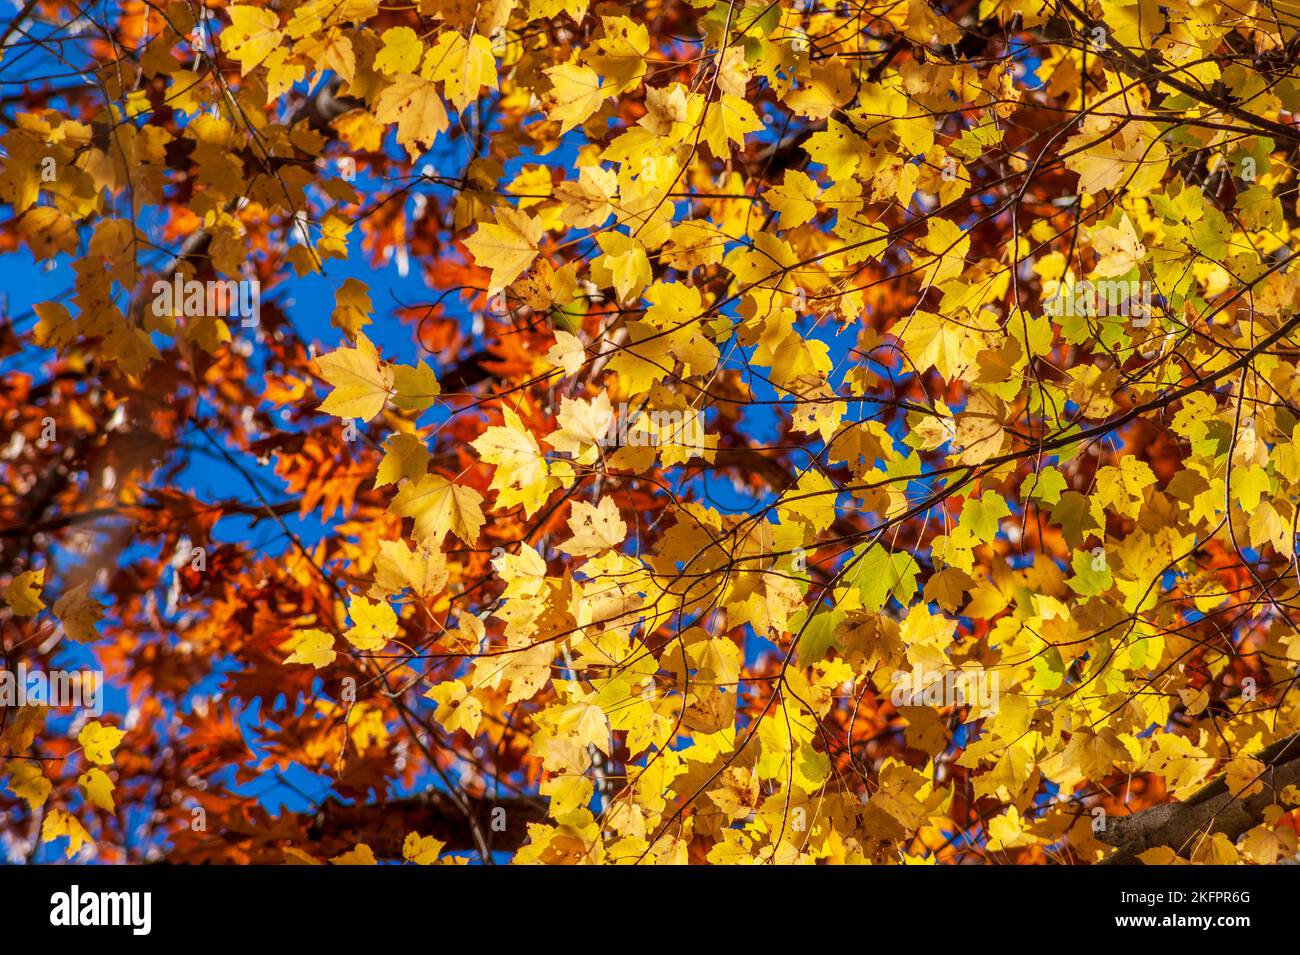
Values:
[(1179, 825), (384, 826)]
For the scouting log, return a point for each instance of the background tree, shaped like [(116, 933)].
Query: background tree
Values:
[(759, 354)]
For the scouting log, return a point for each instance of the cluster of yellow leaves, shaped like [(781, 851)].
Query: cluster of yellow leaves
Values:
[(28, 778)]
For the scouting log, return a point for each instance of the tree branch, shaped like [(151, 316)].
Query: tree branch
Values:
[(1212, 809), (384, 826)]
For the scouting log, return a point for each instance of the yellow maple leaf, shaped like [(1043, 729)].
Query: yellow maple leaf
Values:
[(726, 122), (98, 788), (413, 103), (795, 198), (253, 33), (23, 594), (401, 52), (595, 529), (949, 245), (583, 425), (416, 386), (28, 782), (507, 246), (1267, 843), (457, 708), (1119, 248), (398, 567), (647, 357), (362, 384), (60, 823), (373, 624), (48, 231), (98, 742), (567, 352), (588, 201), (619, 55), (838, 148), (813, 500), (361, 855), (438, 507), (463, 66), (1007, 831), (522, 474), (351, 307), (422, 850), (1244, 776), (623, 266), (405, 456), (312, 647), (575, 94)]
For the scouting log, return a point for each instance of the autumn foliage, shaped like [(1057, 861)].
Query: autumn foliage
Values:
[(765, 359)]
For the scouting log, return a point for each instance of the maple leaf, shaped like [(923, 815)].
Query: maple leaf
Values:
[(567, 352), (457, 709), (949, 245), (373, 624), (588, 202), (583, 426), (48, 231), (23, 594), (1244, 777), (1119, 248), (422, 850), (98, 742), (838, 148), (1265, 844), (405, 457), (812, 500), (29, 783), (507, 246), (361, 383), (79, 613), (362, 854), (522, 474), (312, 647), (60, 823), (440, 507), (937, 342), (575, 94), (879, 573), (795, 198), (98, 788), (463, 66), (416, 386), (398, 567), (413, 103), (254, 32), (624, 264), (401, 52), (596, 529), (352, 307), (727, 122), (982, 514)]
